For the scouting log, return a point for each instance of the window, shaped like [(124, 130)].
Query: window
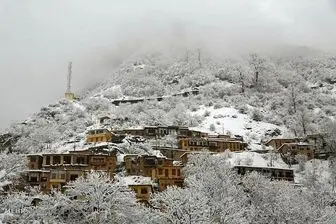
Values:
[(98, 160), (56, 160), (166, 172), (80, 160), (150, 161), (144, 191), (62, 176), (47, 159), (178, 172), (73, 177), (173, 172), (160, 171), (53, 176), (33, 177), (212, 143), (33, 159), (67, 159)]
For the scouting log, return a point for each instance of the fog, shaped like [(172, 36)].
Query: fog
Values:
[(39, 37)]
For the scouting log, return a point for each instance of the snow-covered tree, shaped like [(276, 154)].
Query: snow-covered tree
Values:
[(102, 200), (10, 167), (257, 64)]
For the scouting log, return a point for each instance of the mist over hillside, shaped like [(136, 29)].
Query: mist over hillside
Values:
[(41, 37), (181, 111)]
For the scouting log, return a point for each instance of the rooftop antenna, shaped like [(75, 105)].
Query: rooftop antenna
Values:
[(68, 94)]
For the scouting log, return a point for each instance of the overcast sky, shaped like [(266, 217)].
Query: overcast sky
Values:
[(39, 37)]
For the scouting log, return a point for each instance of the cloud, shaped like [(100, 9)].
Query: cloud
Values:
[(38, 37)]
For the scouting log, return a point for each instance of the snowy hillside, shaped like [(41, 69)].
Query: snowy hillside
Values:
[(228, 120)]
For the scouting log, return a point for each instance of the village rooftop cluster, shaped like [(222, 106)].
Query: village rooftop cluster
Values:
[(146, 174)]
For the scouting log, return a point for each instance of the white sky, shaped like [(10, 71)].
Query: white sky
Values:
[(39, 37)]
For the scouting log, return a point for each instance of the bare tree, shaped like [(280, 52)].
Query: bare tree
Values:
[(303, 120), (258, 65), (293, 97), (242, 76), (199, 57)]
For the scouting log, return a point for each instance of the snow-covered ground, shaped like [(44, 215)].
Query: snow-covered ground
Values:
[(227, 120), (254, 159)]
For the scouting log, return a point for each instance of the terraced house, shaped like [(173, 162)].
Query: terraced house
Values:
[(214, 144), (99, 135), (290, 150), (54, 170), (165, 172), (160, 131)]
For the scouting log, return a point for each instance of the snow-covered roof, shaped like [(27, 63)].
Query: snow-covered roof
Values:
[(136, 180)]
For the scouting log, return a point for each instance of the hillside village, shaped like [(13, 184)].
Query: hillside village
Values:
[(54, 170), (166, 131)]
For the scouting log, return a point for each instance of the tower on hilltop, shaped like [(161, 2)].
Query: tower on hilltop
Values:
[(69, 94)]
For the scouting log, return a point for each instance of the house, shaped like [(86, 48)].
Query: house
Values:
[(143, 187), (168, 174), (54, 170), (132, 164), (98, 135), (290, 150), (132, 131), (222, 144), (161, 170), (276, 143), (35, 161), (161, 131), (193, 143), (187, 132), (271, 172), (320, 143), (38, 178), (213, 144), (171, 153), (142, 191)]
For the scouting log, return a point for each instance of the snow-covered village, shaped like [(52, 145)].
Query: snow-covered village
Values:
[(180, 130)]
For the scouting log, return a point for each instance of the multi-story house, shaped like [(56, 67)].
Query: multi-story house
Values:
[(276, 143), (290, 150), (213, 144), (160, 131), (163, 171), (54, 170), (271, 172), (98, 135)]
